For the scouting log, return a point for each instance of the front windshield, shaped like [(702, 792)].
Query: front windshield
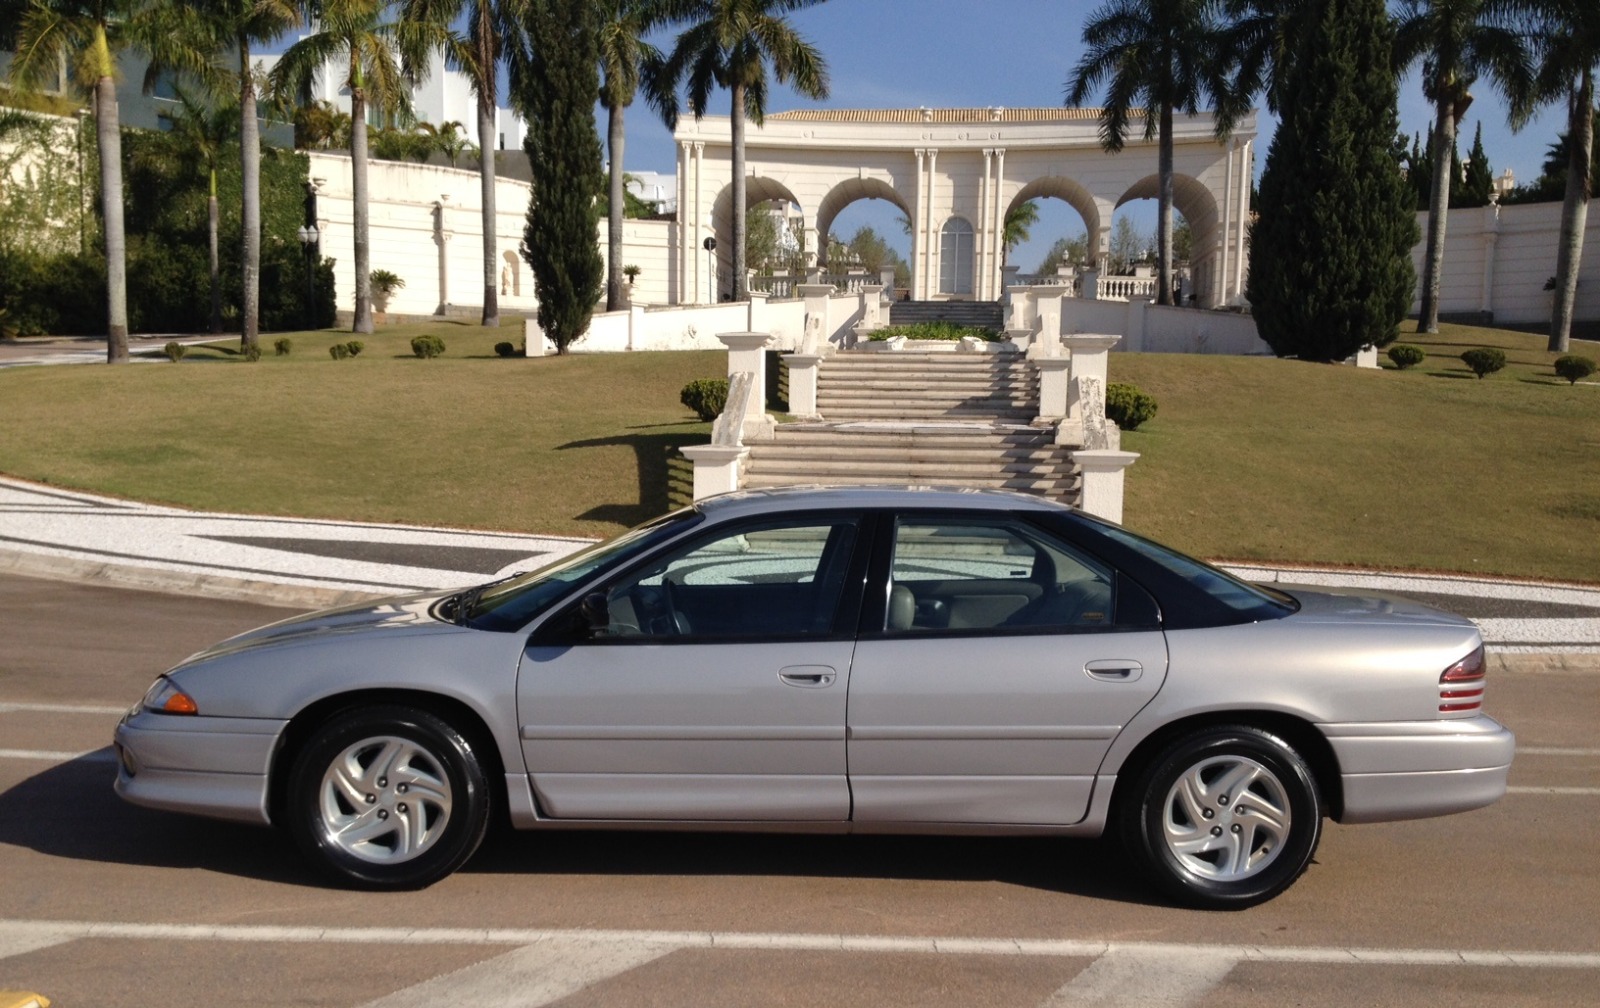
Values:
[(510, 604)]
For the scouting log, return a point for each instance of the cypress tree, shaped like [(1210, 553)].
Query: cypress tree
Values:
[(1330, 258), (558, 95), (1478, 184)]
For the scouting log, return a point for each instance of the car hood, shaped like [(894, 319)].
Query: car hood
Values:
[(404, 613), (1331, 605)]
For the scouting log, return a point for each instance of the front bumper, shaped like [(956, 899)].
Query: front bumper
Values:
[(1415, 769), (207, 766)]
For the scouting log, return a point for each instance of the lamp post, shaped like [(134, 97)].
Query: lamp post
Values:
[(309, 237)]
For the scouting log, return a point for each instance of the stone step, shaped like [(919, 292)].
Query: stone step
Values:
[(1063, 487), (889, 413), (762, 462), (1043, 455)]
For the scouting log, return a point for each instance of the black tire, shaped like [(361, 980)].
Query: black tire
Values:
[(1217, 854), (388, 798)]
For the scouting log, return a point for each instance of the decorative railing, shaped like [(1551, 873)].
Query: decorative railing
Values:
[(1123, 288), (785, 285)]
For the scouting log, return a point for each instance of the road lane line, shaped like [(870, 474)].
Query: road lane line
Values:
[(52, 756), (7, 707), (527, 977), (1130, 977), (668, 940), (1554, 751), (22, 938), (1580, 791)]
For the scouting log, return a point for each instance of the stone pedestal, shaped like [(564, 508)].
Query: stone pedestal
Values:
[(1054, 376), (1103, 473), (803, 384), (533, 339), (716, 468), (747, 352)]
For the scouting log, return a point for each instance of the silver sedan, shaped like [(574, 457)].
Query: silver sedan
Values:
[(895, 660)]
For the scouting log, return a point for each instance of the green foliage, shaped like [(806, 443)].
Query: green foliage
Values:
[(946, 331), (252, 352), (427, 346), (505, 349), (1405, 355), (1574, 368), (1484, 360), (1073, 250), (339, 351), (174, 351), (62, 294), (707, 397), (384, 283), (42, 207), (282, 345), (1330, 263), (1127, 406), (1478, 183), (631, 272), (355, 347), (558, 94)]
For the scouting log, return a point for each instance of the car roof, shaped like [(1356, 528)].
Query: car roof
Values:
[(816, 498)]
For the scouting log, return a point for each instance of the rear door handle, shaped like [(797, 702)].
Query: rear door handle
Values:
[(1114, 669), (808, 676)]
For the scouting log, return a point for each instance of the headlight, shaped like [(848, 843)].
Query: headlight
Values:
[(164, 697)]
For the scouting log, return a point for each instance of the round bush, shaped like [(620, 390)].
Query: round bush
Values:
[(174, 351), (706, 396), (1405, 355), (505, 349), (339, 351), (1484, 360), (1574, 368), (355, 347), (1127, 406), (252, 353), (282, 345), (427, 346)]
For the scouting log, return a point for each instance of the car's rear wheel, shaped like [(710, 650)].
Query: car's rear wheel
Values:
[(1224, 818), (388, 798)]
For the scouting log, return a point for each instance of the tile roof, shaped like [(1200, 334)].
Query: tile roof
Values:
[(941, 116)]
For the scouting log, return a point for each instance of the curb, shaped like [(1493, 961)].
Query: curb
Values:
[(1536, 662), (215, 586)]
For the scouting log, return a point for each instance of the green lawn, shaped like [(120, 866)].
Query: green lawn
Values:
[(1249, 458)]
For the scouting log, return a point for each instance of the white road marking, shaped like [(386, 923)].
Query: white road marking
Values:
[(670, 940), (50, 756), (1583, 791), (1133, 977), (527, 977), (49, 708), (1554, 751), (22, 937)]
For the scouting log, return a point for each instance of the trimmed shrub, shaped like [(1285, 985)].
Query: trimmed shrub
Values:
[(1405, 355), (938, 330), (427, 347), (175, 351), (1484, 360), (339, 351), (1127, 406), (355, 347), (282, 345), (505, 349), (252, 353), (1574, 368), (707, 397)]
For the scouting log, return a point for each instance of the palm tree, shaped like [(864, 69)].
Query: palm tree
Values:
[(626, 59), (383, 55), (1019, 219), (1457, 40), (728, 44), (1567, 34), (203, 134), (496, 35), (1163, 55), (88, 35)]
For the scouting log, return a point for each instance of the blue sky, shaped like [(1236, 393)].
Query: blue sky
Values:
[(1016, 53)]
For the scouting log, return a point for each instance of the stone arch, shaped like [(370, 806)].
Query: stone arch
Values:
[(1071, 192), (1198, 204), (850, 191), (757, 189)]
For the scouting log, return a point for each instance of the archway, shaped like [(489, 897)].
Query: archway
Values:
[(1200, 273), (1081, 202), (757, 190)]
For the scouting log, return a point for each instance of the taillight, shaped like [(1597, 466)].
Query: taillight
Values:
[(1461, 685)]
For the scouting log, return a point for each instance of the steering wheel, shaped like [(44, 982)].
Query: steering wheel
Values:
[(678, 622)]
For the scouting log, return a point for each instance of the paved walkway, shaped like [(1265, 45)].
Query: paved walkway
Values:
[(142, 348), (297, 562)]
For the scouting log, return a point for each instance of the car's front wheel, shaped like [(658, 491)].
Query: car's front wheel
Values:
[(1224, 818), (388, 798)]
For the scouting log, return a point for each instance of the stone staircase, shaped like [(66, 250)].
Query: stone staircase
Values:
[(953, 419), (988, 314)]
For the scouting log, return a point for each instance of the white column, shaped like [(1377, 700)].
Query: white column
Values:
[(985, 208), (1491, 237), (700, 279), (1242, 217), (685, 237), (931, 283), (997, 238), (747, 352), (1221, 284), (919, 248)]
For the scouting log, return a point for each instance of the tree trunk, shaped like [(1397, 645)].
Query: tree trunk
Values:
[(491, 236), (109, 138), (1574, 212), (1164, 211), (358, 197), (1444, 145), (614, 143), (249, 203), (737, 253), (213, 258)]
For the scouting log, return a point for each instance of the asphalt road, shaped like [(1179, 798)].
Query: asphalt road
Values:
[(108, 905)]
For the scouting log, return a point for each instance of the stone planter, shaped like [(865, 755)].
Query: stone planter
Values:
[(882, 346), (932, 345)]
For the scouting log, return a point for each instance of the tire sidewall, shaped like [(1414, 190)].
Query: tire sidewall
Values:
[(1144, 817), (469, 812)]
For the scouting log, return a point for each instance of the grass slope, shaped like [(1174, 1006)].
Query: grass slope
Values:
[(1249, 458)]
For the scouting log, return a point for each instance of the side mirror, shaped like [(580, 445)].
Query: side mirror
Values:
[(596, 611)]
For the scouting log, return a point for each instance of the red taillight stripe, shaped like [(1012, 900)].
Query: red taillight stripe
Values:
[(1460, 694), (1446, 708)]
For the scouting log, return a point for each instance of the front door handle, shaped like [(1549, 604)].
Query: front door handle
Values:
[(1114, 669), (808, 676)]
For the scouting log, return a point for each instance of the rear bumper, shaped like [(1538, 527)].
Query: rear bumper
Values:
[(1416, 769), (205, 766)]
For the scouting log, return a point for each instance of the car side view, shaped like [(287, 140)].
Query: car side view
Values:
[(853, 659)]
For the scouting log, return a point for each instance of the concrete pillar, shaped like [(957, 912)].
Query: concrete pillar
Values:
[(1491, 238), (803, 384), (1103, 473), (1134, 330), (1089, 281), (533, 338), (1090, 354), (985, 206), (919, 247), (716, 468), (1054, 377), (1242, 219), (747, 352), (755, 314), (1047, 302), (871, 306), (636, 328)]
